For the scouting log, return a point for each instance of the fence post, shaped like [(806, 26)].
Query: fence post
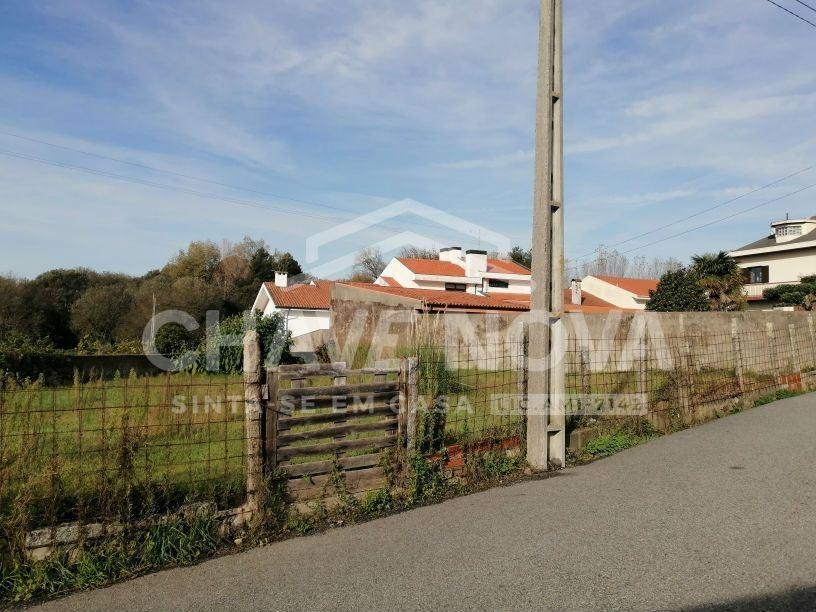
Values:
[(643, 370), (772, 350), (796, 363), (522, 381), (812, 333), (271, 418), (736, 348), (409, 400), (253, 421), (586, 378)]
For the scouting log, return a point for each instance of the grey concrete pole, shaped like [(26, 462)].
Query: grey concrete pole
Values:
[(546, 439)]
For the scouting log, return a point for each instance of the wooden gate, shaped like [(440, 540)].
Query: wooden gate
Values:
[(326, 425)]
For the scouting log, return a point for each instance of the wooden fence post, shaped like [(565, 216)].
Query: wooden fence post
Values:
[(253, 421), (271, 418), (411, 401), (736, 349)]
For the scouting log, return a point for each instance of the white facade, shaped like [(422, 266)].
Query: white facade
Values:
[(783, 257), (472, 272), (618, 296), (299, 321)]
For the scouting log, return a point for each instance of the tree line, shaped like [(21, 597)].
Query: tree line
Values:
[(81, 309)]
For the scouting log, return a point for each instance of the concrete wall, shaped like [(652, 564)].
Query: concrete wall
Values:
[(613, 341)]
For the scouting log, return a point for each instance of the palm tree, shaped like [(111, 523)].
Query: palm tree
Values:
[(722, 279)]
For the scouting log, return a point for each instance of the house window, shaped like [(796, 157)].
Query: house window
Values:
[(497, 284), (757, 274), (455, 287), (789, 230)]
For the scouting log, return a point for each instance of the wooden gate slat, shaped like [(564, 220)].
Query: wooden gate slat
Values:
[(324, 467), (333, 447), (330, 432)]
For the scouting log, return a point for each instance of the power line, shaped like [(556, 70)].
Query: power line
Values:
[(703, 212), (720, 220), (805, 4), (797, 15)]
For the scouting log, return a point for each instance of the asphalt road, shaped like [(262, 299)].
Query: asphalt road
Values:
[(721, 516)]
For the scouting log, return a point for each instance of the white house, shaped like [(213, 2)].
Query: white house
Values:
[(305, 307), (472, 272), (620, 292), (469, 281), (783, 257)]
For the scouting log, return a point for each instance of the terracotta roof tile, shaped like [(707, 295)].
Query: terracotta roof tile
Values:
[(449, 299), (432, 266), (639, 286), (447, 268), (502, 266), (390, 281), (590, 304), (315, 296)]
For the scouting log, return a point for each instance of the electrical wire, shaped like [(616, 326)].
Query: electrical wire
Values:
[(797, 15), (702, 212)]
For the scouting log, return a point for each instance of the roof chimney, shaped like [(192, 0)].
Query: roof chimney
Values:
[(454, 253), (444, 254), (281, 279), (575, 286), (475, 262)]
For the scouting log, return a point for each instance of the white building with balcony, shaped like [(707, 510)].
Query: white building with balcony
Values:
[(781, 258)]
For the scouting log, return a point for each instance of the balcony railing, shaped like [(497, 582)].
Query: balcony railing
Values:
[(755, 290)]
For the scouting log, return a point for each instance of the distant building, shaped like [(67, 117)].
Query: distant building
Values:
[(456, 282), (304, 308), (781, 258)]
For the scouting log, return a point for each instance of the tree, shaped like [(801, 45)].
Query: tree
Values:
[(369, 264), (415, 252), (678, 291), (100, 311), (199, 260), (522, 256), (49, 298), (723, 280)]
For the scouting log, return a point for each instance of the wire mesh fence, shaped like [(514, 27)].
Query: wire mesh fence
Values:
[(676, 378), (471, 396), (119, 449)]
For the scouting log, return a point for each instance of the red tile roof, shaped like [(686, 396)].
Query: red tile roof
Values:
[(390, 281), (447, 268), (309, 297), (432, 266), (639, 286), (502, 266), (590, 304), (450, 299)]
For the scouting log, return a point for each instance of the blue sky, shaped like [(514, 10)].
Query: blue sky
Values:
[(671, 107)]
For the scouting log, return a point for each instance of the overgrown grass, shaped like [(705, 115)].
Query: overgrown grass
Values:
[(170, 542), (615, 442)]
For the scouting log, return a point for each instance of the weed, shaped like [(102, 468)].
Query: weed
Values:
[(611, 443), (776, 396), (168, 542)]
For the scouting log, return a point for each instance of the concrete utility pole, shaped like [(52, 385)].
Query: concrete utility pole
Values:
[(546, 426)]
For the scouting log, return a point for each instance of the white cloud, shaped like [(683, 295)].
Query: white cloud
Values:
[(497, 161)]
